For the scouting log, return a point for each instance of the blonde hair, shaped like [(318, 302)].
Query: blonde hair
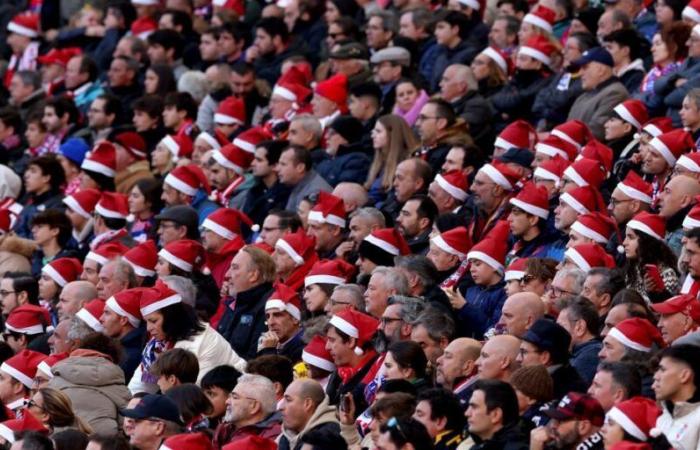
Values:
[(400, 142), (59, 408)]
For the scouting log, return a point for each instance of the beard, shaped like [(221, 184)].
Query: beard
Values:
[(233, 415)]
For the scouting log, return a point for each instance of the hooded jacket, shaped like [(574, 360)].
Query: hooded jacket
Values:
[(15, 253), (680, 423), (323, 418)]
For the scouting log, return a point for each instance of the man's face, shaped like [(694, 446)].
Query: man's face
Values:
[(322, 107), (111, 322), (51, 121), (239, 273), (74, 77), (146, 432), (454, 160), (603, 389), (376, 296), (442, 260), (653, 163), (591, 289), (479, 420), (529, 354), (90, 271), (592, 74), (359, 229), (431, 347), (444, 33), (299, 136), (612, 350), (294, 415), (386, 72), (326, 235), (513, 318), (673, 326), (219, 178), (7, 387), (119, 74), (405, 182), (208, 47), (483, 190), (242, 85), (428, 123), (408, 220), (340, 351), (58, 341), (281, 323), (407, 28), (19, 91), (520, 222), (672, 198), (605, 25), (691, 257), (451, 87), (450, 366), (498, 35), (157, 54), (423, 415), (621, 206), (238, 405), (690, 115), (169, 231), (97, 118), (377, 36), (271, 231), (287, 170), (565, 433), (564, 216), (68, 304), (668, 378), (142, 121), (8, 296), (279, 106), (171, 117), (108, 284), (444, 201), (263, 42), (391, 323), (617, 314)]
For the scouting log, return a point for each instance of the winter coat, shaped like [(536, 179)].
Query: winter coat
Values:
[(477, 112), (127, 178), (456, 134), (482, 310), (566, 379), (324, 418), (516, 98), (203, 205), (584, 358), (96, 388), (553, 101), (35, 204), (269, 428), (682, 426), (632, 75), (673, 96), (311, 184), (350, 164), (595, 107), (132, 343), (509, 437), (260, 200), (444, 57), (15, 253), (244, 320)]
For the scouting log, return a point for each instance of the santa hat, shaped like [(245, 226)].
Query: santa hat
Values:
[(552, 169), (107, 252), (455, 242), (212, 141), (133, 143), (541, 17), (658, 126), (292, 92), (519, 134), (63, 270), (330, 271), (83, 202), (454, 183), (539, 48), (334, 89), (91, 313), (574, 132), (516, 270), (226, 222), (600, 152), (233, 157), (315, 354), (533, 200), (286, 299), (59, 56), (28, 319), (672, 144), (500, 174), (127, 304), (238, 6), (25, 24), (586, 172), (184, 254), (249, 139), (692, 220), (492, 250), (143, 258), (633, 111), (251, 441), (50, 361), (231, 111), (328, 209), (389, 240), (555, 146), (27, 423), (22, 366), (102, 159), (587, 256), (144, 26), (187, 441), (636, 188), (595, 225), (298, 245), (584, 200), (357, 325), (692, 11), (299, 73), (637, 416), (501, 59), (690, 161), (638, 334), (188, 179), (157, 298), (179, 146), (649, 224), (113, 205)]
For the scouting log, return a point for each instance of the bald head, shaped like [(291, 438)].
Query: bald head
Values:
[(498, 358), (457, 361), (520, 311), (301, 399), (678, 193), (354, 195), (312, 389), (73, 296)]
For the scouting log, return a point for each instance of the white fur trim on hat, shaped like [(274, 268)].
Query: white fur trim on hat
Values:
[(289, 250), (481, 256), (589, 233), (75, 206), (693, 15), (577, 259), (496, 176), (623, 112), (644, 228), (317, 216), (316, 361), (223, 119), (545, 175), (99, 259), (627, 342), (172, 259), (34, 329), (658, 145), (16, 374), (688, 163), (180, 185), (323, 279), (575, 177), (160, 304), (502, 143), (571, 201), (89, 319), (387, 247), (561, 135), (54, 274), (244, 145), (497, 58), (140, 270), (691, 223), (454, 191), (275, 303), (22, 30), (45, 369), (626, 423), (471, 3), (7, 433), (284, 93), (221, 159), (531, 209), (442, 244), (114, 305), (97, 167), (514, 275), (218, 229), (538, 22), (634, 193), (101, 210), (171, 145), (209, 139), (550, 150), (345, 326), (534, 53)]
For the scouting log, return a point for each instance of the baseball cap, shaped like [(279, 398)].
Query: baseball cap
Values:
[(182, 214), (578, 406), (596, 54), (154, 406), (520, 156), (351, 50), (686, 304)]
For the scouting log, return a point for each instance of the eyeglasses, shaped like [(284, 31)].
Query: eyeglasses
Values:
[(336, 303), (422, 117), (558, 292), (6, 293), (387, 320)]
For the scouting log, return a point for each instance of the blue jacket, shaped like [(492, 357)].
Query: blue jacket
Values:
[(132, 343), (482, 310), (34, 204), (646, 24), (584, 358), (203, 205), (673, 96), (350, 164)]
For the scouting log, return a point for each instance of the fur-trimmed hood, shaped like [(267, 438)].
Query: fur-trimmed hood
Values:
[(15, 244)]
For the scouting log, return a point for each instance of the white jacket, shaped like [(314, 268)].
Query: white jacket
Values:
[(682, 428), (211, 350)]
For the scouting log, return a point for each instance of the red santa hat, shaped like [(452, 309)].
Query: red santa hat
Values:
[(28, 319), (454, 183), (541, 17), (555, 146), (315, 354), (22, 366), (144, 26), (127, 304), (50, 361), (595, 225), (539, 48), (231, 111), (492, 250), (637, 416), (672, 144), (91, 313), (692, 220), (24, 424), (330, 271), (518, 134), (298, 245), (389, 240), (187, 441), (650, 224), (25, 24), (143, 258), (107, 252), (334, 89), (552, 169), (533, 200), (59, 56), (587, 256), (299, 73), (6, 219), (633, 111), (188, 179), (500, 174), (179, 146), (692, 11), (102, 159), (184, 254), (133, 143), (157, 298), (251, 441), (455, 242), (286, 299), (233, 157), (63, 270), (249, 139), (586, 172), (516, 270), (600, 152), (636, 188), (638, 334), (690, 161), (113, 205), (658, 126), (328, 209), (584, 200), (226, 222), (83, 202), (574, 132), (292, 92), (238, 6), (214, 141), (500, 58), (357, 325)]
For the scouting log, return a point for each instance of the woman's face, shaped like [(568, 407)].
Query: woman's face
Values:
[(150, 83), (406, 95), (86, 182), (315, 298), (659, 51), (283, 262), (36, 407), (631, 244), (332, 13), (393, 371), (154, 326), (162, 267), (480, 67), (137, 202), (612, 432), (380, 137), (664, 14), (35, 135), (160, 158), (48, 289), (200, 148)]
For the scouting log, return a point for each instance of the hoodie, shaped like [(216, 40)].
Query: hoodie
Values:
[(323, 418)]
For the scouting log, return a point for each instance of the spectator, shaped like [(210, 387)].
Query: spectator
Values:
[(623, 46), (584, 429), (295, 171), (456, 369), (580, 319), (520, 311), (489, 396), (305, 409)]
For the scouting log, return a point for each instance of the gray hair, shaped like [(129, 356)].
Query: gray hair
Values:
[(438, 324), (125, 273), (194, 83), (373, 215), (310, 124), (184, 287), (420, 17), (393, 279), (78, 329), (356, 294), (389, 21), (261, 389), (578, 275), (419, 265), (30, 78), (464, 73), (411, 307)]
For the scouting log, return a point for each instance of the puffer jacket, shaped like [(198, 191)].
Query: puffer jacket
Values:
[(323, 418), (96, 387), (15, 253), (680, 426)]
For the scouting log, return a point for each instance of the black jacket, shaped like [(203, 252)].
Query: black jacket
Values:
[(516, 98), (243, 325), (132, 343), (260, 200), (566, 379), (336, 388), (510, 437), (477, 112)]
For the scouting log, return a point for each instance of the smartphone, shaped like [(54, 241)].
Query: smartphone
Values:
[(652, 271)]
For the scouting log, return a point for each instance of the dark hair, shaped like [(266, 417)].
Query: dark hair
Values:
[(104, 182), (112, 105), (274, 26), (55, 218), (611, 280), (626, 37), (580, 308), (182, 101), (190, 400), (180, 322), (499, 394), (586, 41), (625, 375), (685, 354), (457, 19), (242, 68), (448, 221), (409, 355), (322, 439), (675, 36), (70, 439), (180, 18), (33, 440), (181, 363), (443, 110), (649, 251), (151, 190), (519, 6), (443, 403), (277, 368), (287, 219), (25, 282), (273, 149), (166, 79), (398, 385), (694, 234), (115, 441), (30, 78), (238, 30), (426, 207), (103, 344), (62, 106), (348, 27), (543, 269), (150, 104), (168, 39), (49, 165), (89, 66), (224, 377), (10, 117), (301, 156), (408, 430)]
